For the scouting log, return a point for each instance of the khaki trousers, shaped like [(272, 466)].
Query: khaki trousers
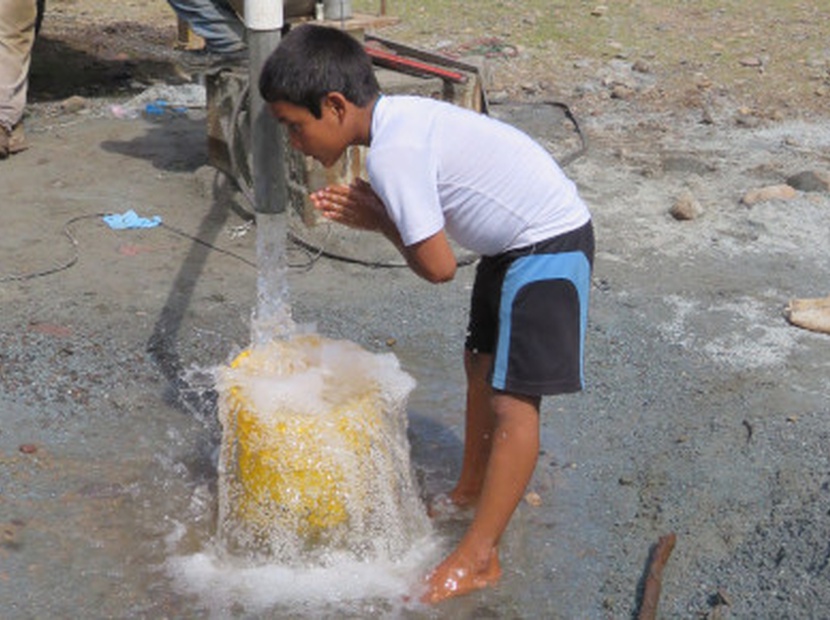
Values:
[(17, 35)]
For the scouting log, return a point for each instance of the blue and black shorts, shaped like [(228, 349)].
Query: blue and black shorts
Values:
[(529, 310)]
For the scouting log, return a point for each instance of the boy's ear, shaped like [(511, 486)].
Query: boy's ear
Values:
[(337, 103)]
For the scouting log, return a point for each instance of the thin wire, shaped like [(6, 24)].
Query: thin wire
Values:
[(246, 190), (17, 277), (14, 277)]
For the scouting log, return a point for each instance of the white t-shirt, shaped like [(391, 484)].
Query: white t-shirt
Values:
[(436, 165)]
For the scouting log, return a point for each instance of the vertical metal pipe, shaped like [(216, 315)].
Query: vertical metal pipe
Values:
[(264, 21)]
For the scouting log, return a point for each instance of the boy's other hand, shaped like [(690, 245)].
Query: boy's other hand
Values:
[(355, 205)]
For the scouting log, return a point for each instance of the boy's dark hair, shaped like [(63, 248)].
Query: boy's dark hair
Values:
[(313, 61)]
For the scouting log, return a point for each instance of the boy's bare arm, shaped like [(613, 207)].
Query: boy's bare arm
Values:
[(358, 206)]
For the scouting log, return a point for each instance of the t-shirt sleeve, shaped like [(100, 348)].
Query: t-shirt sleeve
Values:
[(405, 178)]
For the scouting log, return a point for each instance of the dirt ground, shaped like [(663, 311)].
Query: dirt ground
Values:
[(706, 413)]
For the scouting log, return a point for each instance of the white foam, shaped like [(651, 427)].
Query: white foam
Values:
[(222, 584), (310, 375)]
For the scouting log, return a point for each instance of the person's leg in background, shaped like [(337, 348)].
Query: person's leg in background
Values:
[(215, 21), (17, 36)]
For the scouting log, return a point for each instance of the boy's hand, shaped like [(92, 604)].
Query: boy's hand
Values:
[(355, 205), (358, 206)]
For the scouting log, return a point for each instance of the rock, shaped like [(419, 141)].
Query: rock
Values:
[(621, 91), (771, 192), (810, 181), (702, 81), (641, 66), (747, 118), (686, 207), (599, 11), (810, 313), (751, 61), (73, 104), (11, 534)]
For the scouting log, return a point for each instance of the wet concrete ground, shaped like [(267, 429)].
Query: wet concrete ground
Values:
[(705, 413)]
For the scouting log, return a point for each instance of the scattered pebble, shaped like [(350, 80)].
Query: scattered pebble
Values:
[(74, 104), (702, 81), (686, 207), (751, 61), (641, 66), (28, 448), (771, 192), (534, 499), (722, 598), (622, 92)]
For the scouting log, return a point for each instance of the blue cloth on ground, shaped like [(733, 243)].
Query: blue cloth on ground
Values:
[(130, 219)]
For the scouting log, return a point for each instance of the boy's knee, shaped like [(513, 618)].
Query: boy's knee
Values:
[(509, 406)]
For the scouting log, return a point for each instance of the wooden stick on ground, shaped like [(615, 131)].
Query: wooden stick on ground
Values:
[(654, 578)]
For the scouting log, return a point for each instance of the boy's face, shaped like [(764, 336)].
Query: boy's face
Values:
[(321, 138)]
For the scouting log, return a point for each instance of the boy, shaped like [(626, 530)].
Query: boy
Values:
[(435, 169)]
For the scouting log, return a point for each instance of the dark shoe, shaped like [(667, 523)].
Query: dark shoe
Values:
[(203, 61)]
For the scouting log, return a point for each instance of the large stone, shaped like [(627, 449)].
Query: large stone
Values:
[(810, 181), (771, 192), (812, 314)]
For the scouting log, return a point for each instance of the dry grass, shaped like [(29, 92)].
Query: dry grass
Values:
[(768, 55)]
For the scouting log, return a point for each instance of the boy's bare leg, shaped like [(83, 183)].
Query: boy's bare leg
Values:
[(478, 430), (515, 447)]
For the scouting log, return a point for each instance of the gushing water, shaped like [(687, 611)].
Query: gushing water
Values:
[(272, 316), (317, 500), (314, 455)]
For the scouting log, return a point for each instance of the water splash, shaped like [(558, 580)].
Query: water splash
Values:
[(272, 317), (317, 499), (341, 587), (315, 457)]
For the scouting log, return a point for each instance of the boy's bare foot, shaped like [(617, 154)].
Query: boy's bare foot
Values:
[(459, 574), (448, 506)]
